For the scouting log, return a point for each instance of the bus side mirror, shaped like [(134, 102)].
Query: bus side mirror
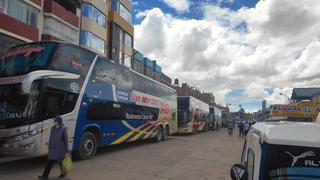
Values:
[(238, 172)]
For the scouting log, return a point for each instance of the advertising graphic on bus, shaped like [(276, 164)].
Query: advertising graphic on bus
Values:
[(102, 103)]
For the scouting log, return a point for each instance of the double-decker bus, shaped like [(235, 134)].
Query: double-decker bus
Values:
[(192, 115), (101, 103), (216, 115)]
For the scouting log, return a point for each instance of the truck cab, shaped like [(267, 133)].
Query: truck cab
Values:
[(280, 150)]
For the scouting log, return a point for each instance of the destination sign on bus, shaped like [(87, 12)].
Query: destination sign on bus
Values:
[(25, 51)]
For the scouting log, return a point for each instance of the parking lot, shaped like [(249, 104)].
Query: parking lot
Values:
[(203, 156)]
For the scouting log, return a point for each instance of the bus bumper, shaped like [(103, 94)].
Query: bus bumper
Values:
[(26, 147), (186, 130)]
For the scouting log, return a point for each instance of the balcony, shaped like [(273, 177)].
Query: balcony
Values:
[(19, 28), (50, 6)]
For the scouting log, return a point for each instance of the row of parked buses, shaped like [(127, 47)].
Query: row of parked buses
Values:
[(101, 103), (196, 116)]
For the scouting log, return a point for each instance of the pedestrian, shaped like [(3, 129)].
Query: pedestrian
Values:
[(246, 128), (58, 148), (240, 126)]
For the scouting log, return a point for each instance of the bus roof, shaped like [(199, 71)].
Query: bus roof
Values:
[(97, 54), (289, 133)]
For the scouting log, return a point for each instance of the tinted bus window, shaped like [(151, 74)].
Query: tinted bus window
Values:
[(72, 59), (26, 58), (104, 71), (137, 82), (123, 77), (60, 96)]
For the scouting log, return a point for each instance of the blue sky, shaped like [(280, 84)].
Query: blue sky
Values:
[(195, 8), (236, 97)]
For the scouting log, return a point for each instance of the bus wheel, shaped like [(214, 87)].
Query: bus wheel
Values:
[(88, 146), (159, 136), (165, 133)]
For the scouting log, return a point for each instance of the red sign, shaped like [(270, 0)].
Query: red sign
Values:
[(25, 51), (143, 99)]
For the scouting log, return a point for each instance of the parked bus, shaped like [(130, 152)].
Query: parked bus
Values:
[(101, 103), (192, 115), (215, 115)]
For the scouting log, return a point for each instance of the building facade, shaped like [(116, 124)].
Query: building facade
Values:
[(24, 21), (186, 90), (103, 26)]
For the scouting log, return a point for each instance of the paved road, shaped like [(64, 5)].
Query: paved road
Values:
[(204, 156)]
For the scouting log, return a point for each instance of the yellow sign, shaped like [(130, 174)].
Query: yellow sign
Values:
[(302, 109)]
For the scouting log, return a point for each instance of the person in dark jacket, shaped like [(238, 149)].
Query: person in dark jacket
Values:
[(240, 126), (58, 148)]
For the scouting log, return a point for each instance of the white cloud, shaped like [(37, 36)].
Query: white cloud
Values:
[(279, 49), (179, 5)]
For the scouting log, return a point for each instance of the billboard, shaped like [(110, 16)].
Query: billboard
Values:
[(301, 109)]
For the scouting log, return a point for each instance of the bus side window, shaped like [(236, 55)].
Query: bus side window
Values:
[(104, 71), (137, 82), (250, 164), (123, 77), (59, 98)]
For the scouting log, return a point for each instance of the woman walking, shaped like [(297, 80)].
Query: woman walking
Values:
[(58, 148)]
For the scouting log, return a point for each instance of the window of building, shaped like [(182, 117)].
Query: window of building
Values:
[(127, 60), (121, 10), (128, 40), (94, 14), (2, 5), (124, 12), (34, 17), (92, 41), (21, 11), (18, 10), (60, 30)]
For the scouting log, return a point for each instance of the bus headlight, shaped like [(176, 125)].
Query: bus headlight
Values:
[(23, 136)]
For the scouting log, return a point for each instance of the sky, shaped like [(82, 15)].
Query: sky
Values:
[(243, 51)]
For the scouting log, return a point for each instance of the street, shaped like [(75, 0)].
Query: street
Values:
[(208, 155)]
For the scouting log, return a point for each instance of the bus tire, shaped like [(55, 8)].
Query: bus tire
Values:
[(88, 146), (159, 135), (165, 133)]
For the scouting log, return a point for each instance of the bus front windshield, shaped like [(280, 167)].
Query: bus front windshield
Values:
[(16, 107), (25, 58)]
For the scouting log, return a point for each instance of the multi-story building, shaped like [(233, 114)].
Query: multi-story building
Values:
[(34, 20), (103, 26), (186, 90), (107, 29), (19, 22)]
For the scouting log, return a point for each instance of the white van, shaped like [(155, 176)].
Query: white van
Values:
[(280, 150)]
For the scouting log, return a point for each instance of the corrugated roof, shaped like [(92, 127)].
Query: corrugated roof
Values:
[(304, 93)]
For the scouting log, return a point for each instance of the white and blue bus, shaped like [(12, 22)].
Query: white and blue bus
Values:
[(101, 103)]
